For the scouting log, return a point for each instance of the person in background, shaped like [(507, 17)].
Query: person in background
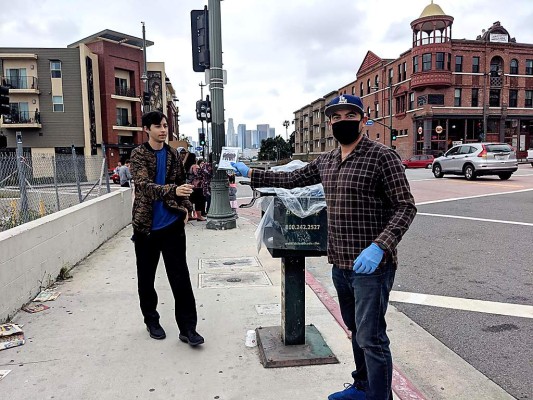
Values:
[(125, 174), (198, 198), (206, 171), (370, 207), (183, 153), (160, 212), (232, 191), (119, 164)]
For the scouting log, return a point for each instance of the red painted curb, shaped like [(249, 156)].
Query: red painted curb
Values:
[(402, 387)]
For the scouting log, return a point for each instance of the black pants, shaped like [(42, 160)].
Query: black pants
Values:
[(171, 242), (198, 199)]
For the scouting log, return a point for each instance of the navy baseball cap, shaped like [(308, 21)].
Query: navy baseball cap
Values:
[(344, 101)]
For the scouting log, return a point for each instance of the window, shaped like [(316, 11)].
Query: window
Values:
[(513, 98), (376, 113), (458, 63), (475, 97), (411, 101), (494, 98), (426, 62), (439, 62), (475, 64), (529, 67), (529, 99), (415, 65), (391, 74), (55, 69), (457, 98), (368, 86), (514, 67), (404, 72), (368, 112), (449, 64), (376, 81), (361, 90), (399, 72), (16, 78), (57, 102), (353, 90), (122, 117)]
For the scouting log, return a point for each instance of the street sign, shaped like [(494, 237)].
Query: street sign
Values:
[(198, 148), (369, 122)]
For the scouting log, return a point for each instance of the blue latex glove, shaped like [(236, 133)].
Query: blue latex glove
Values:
[(368, 260), (240, 169)]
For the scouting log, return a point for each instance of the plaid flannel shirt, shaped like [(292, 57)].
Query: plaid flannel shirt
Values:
[(367, 195)]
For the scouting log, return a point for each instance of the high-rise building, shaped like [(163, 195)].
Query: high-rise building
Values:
[(241, 136), (230, 135), (262, 133), (272, 133)]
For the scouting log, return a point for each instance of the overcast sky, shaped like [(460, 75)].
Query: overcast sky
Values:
[(279, 55)]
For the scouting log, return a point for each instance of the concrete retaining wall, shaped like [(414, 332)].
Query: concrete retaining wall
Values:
[(33, 254)]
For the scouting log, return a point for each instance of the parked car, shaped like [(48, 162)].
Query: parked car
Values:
[(476, 159), (419, 161), (530, 156), (115, 178)]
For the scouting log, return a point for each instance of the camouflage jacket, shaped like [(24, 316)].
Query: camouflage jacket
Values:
[(143, 169)]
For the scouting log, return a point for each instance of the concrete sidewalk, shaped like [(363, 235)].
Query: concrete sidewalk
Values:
[(92, 343)]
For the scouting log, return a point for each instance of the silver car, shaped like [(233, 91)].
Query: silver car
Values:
[(476, 159)]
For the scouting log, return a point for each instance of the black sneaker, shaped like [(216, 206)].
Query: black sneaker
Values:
[(156, 331), (192, 337)]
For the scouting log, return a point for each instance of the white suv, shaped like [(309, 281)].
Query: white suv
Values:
[(476, 159)]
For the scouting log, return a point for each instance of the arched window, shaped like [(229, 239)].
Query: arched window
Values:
[(368, 86), (514, 67), (362, 90), (368, 111), (376, 81)]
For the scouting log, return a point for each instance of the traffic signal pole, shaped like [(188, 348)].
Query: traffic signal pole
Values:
[(220, 215)]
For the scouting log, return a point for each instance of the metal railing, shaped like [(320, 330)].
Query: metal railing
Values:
[(22, 117), (34, 186), (20, 82), (124, 91)]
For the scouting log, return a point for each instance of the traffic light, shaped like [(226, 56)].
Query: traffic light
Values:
[(200, 39), (146, 98), (393, 134), (203, 110), (4, 101), (201, 137)]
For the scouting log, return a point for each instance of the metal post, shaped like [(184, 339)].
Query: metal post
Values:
[(22, 180), (220, 216), (485, 76), (201, 84), (76, 174), (58, 204), (107, 169), (390, 112), (144, 77), (293, 300)]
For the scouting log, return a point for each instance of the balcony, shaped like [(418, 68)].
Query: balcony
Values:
[(123, 124), (21, 119), (125, 93), (21, 84)]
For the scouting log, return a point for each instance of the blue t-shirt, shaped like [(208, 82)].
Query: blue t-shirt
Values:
[(162, 216)]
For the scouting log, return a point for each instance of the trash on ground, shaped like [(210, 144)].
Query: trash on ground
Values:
[(35, 307), (3, 373), (47, 295), (11, 335)]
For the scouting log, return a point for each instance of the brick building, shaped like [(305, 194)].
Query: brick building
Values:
[(443, 91)]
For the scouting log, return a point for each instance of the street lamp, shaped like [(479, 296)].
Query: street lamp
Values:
[(144, 76), (389, 127)]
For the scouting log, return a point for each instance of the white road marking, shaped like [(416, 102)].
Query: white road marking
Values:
[(473, 197), (457, 303), (477, 219)]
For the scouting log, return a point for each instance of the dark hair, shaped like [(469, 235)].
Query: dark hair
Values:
[(231, 178), (127, 161), (191, 160), (153, 118)]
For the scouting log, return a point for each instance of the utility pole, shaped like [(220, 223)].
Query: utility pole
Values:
[(144, 76), (220, 215), (201, 84)]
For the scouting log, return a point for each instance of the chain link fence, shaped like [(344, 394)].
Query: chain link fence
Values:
[(34, 186)]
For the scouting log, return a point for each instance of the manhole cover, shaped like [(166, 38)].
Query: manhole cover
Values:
[(228, 263), (235, 279)]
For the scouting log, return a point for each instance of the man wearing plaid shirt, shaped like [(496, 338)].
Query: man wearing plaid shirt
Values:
[(370, 207)]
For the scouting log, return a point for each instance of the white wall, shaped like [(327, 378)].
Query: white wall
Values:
[(33, 253)]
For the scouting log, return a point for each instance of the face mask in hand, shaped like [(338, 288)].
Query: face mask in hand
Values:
[(346, 131)]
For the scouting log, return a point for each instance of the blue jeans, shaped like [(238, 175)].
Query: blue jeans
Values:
[(363, 301)]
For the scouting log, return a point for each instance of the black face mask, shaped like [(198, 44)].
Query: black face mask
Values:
[(346, 131)]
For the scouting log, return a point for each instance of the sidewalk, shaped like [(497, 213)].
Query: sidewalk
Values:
[(92, 343)]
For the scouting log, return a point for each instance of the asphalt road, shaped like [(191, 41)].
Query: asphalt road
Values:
[(473, 255)]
